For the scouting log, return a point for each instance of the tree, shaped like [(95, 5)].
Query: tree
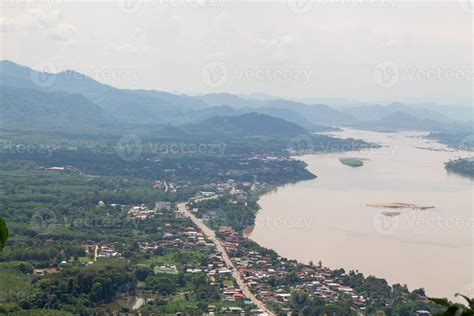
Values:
[(164, 284), (298, 299), (142, 272), (455, 309), (3, 233)]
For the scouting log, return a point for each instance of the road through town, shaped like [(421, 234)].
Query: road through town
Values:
[(220, 247)]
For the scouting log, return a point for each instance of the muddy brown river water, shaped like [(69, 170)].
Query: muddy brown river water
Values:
[(329, 219)]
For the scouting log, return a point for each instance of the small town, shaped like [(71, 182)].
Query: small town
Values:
[(250, 278)]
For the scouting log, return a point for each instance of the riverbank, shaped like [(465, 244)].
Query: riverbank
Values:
[(272, 281), (347, 233)]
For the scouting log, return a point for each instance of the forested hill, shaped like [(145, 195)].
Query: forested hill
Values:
[(33, 109), (249, 124)]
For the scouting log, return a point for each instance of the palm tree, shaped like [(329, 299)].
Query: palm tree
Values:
[(455, 309)]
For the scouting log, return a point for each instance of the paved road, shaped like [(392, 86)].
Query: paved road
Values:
[(220, 247)]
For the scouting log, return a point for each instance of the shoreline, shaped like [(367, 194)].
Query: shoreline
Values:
[(414, 217), (247, 232)]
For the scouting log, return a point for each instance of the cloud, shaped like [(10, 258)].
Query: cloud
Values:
[(48, 23), (7, 25), (46, 18), (63, 32), (122, 48)]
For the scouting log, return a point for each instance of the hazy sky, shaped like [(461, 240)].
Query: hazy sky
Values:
[(370, 50)]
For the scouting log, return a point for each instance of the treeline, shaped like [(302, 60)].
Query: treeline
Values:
[(463, 166)]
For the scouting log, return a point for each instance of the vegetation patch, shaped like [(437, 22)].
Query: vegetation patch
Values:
[(352, 162)]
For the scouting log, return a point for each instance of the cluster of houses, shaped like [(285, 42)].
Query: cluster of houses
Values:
[(142, 212), (259, 269), (108, 251), (177, 237)]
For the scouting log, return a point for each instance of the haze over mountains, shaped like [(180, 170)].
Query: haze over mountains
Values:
[(32, 100)]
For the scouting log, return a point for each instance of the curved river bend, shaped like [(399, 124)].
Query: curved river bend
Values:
[(328, 218)]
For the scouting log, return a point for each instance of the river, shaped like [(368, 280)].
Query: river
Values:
[(328, 218)]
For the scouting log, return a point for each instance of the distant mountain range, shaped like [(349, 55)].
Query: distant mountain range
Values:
[(378, 112), (35, 100), (402, 121)]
